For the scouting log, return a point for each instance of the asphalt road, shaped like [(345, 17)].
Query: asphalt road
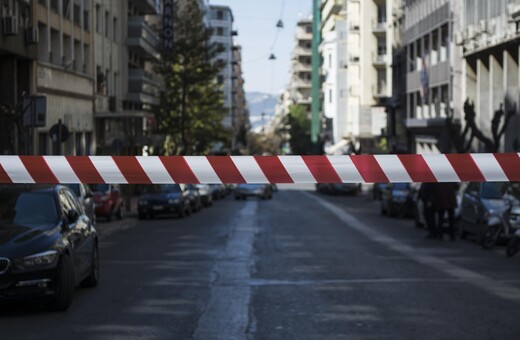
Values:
[(302, 266)]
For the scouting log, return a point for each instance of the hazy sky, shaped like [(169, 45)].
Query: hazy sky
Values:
[(256, 21)]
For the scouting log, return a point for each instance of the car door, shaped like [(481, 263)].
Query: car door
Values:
[(80, 231), (469, 207)]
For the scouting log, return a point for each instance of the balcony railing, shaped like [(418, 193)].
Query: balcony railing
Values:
[(142, 87), (379, 27), (147, 6), (380, 59), (379, 90), (142, 39)]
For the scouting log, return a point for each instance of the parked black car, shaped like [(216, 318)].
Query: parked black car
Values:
[(218, 191), (85, 197), (397, 200), (378, 189), (481, 202), (48, 246), (163, 199)]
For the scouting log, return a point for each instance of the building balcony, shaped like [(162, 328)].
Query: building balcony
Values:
[(330, 8), (302, 52), (380, 60), (299, 67), (142, 87), (303, 35), (379, 27), (147, 6), (142, 39), (379, 91), (302, 84)]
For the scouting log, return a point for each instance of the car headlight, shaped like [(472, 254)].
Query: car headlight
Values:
[(490, 213), (143, 203), (45, 259), (174, 201)]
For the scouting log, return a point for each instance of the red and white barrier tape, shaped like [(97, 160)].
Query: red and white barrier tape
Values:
[(260, 169)]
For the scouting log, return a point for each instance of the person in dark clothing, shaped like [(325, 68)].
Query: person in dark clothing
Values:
[(445, 202), (426, 193)]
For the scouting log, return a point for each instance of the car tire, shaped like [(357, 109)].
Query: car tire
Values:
[(109, 217), (141, 216), (513, 247), (237, 198), (65, 285), (383, 210), (490, 237), (93, 279)]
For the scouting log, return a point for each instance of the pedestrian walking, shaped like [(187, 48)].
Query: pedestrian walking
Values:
[(426, 195), (445, 202)]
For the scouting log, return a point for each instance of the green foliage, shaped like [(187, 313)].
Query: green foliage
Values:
[(300, 130), (192, 107)]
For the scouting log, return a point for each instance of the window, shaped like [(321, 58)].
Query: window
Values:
[(107, 18), (220, 31), (79, 143), (99, 20), (308, 29), (220, 15), (330, 96), (381, 47), (86, 19), (114, 30), (220, 79), (88, 143), (381, 14), (444, 44), (65, 8)]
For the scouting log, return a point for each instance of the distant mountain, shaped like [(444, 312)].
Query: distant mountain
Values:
[(259, 102)]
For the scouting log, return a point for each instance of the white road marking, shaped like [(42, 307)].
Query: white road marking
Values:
[(481, 281), (227, 313)]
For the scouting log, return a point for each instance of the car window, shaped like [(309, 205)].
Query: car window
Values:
[(73, 201), (473, 189), (28, 208), (401, 186), (76, 188), (493, 190), (100, 188), (65, 203)]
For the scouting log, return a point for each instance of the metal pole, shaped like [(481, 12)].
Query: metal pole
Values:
[(316, 78), (58, 142)]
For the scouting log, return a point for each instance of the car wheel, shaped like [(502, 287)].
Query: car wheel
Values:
[(64, 285), (141, 216), (92, 280), (490, 237), (109, 217), (383, 210)]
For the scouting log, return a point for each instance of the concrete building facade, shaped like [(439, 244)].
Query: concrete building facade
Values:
[(127, 49), (434, 72), (18, 54), (221, 21), (490, 39), (65, 73), (300, 84)]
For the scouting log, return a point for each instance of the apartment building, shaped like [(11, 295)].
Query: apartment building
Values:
[(300, 84), (221, 21), (434, 72), (333, 51), (490, 38), (18, 54), (239, 106), (127, 49)]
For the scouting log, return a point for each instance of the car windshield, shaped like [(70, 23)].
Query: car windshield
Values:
[(75, 189), (28, 208), (163, 188), (401, 186), (493, 190), (100, 187)]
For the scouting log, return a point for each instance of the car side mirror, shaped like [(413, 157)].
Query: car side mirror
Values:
[(72, 216)]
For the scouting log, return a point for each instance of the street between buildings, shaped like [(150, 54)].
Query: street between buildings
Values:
[(302, 266)]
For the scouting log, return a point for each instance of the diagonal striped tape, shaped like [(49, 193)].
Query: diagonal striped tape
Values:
[(260, 169)]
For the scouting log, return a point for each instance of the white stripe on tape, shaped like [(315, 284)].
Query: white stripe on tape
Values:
[(15, 169), (297, 169), (249, 169), (345, 169), (61, 169), (393, 168), (441, 168), (155, 170), (108, 169), (488, 165), (202, 169)]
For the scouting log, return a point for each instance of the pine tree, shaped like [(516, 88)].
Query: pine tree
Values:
[(192, 107)]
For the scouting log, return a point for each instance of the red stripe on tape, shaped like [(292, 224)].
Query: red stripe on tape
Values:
[(417, 168), (179, 169), (4, 177), (369, 169), (84, 169), (273, 169), (510, 163), (39, 169), (466, 168), (131, 170), (322, 169), (226, 169)]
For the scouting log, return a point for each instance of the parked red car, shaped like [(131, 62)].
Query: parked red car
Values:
[(108, 199)]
